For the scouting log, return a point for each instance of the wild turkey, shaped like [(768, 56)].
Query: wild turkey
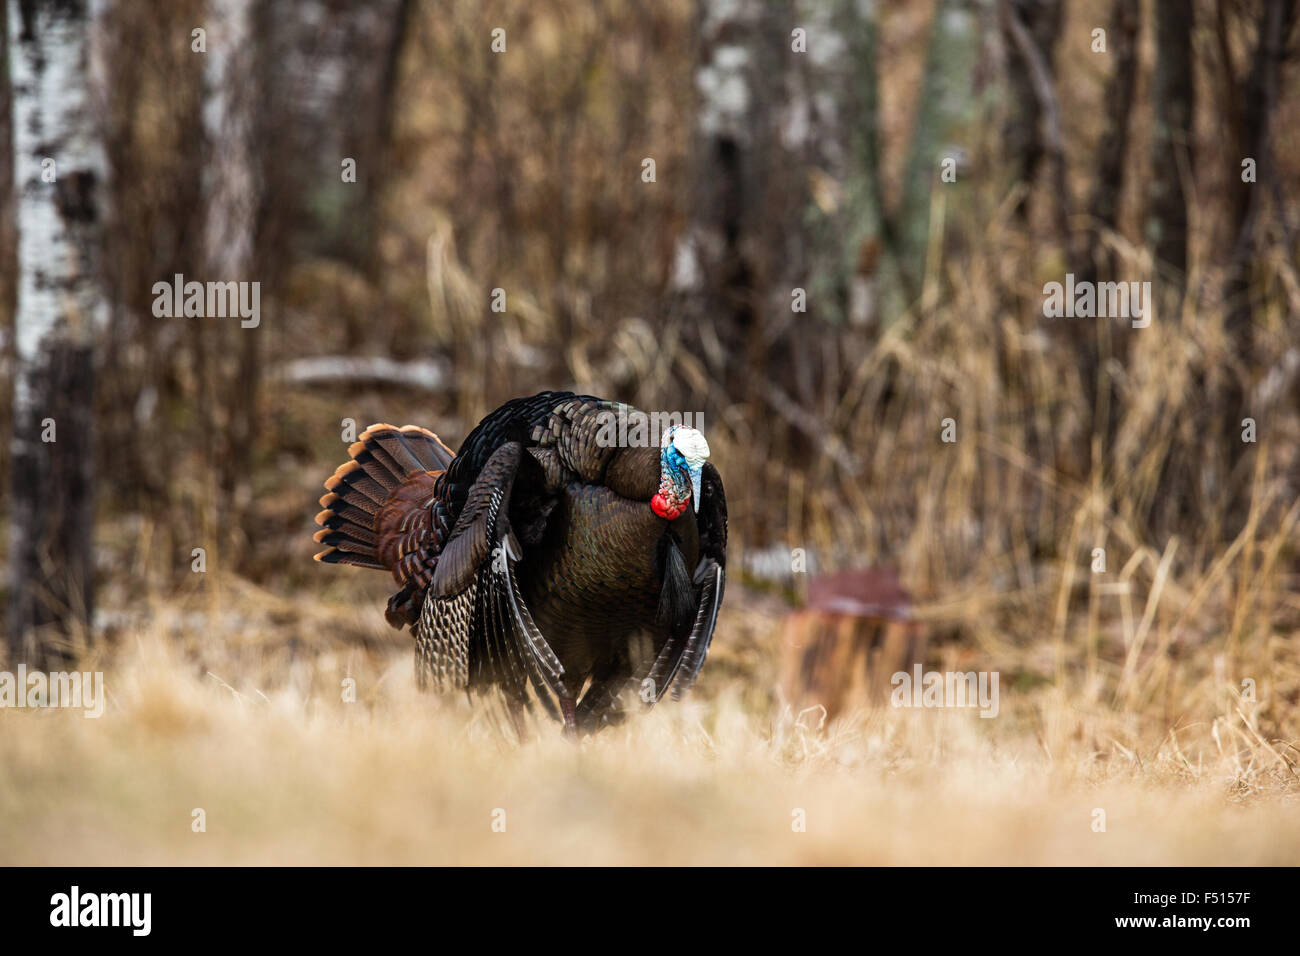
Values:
[(541, 553)]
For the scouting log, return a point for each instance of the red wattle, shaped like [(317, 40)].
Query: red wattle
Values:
[(660, 505)]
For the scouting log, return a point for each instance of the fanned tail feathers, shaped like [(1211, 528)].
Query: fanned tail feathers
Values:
[(373, 501)]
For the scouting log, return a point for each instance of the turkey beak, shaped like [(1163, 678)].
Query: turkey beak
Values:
[(696, 471)]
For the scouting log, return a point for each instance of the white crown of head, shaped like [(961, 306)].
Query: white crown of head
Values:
[(689, 441)]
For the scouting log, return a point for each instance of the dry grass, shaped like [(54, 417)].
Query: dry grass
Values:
[(230, 703)]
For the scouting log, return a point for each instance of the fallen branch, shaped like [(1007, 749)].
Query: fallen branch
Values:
[(427, 373)]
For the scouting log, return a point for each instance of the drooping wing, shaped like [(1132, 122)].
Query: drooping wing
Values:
[(710, 578), (475, 595)]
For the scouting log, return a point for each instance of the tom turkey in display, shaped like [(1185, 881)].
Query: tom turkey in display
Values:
[(539, 554)]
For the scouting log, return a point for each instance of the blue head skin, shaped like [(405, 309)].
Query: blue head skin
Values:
[(681, 463)]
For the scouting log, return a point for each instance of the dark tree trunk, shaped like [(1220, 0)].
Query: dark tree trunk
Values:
[(1021, 132), (1109, 338), (1033, 54), (381, 133), (1112, 150), (1256, 101), (1171, 147)]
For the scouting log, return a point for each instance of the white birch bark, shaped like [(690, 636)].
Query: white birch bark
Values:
[(60, 306), (231, 182)]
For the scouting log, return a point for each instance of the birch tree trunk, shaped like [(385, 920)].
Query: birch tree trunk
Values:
[(232, 194), (786, 186), (719, 262), (8, 233), (945, 103), (58, 171), (779, 261)]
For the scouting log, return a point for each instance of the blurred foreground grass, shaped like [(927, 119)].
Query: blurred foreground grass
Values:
[(207, 710)]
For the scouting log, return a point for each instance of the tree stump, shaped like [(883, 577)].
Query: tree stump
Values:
[(842, 648)]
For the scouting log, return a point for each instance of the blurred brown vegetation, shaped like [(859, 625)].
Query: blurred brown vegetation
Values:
[(775, 170)]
